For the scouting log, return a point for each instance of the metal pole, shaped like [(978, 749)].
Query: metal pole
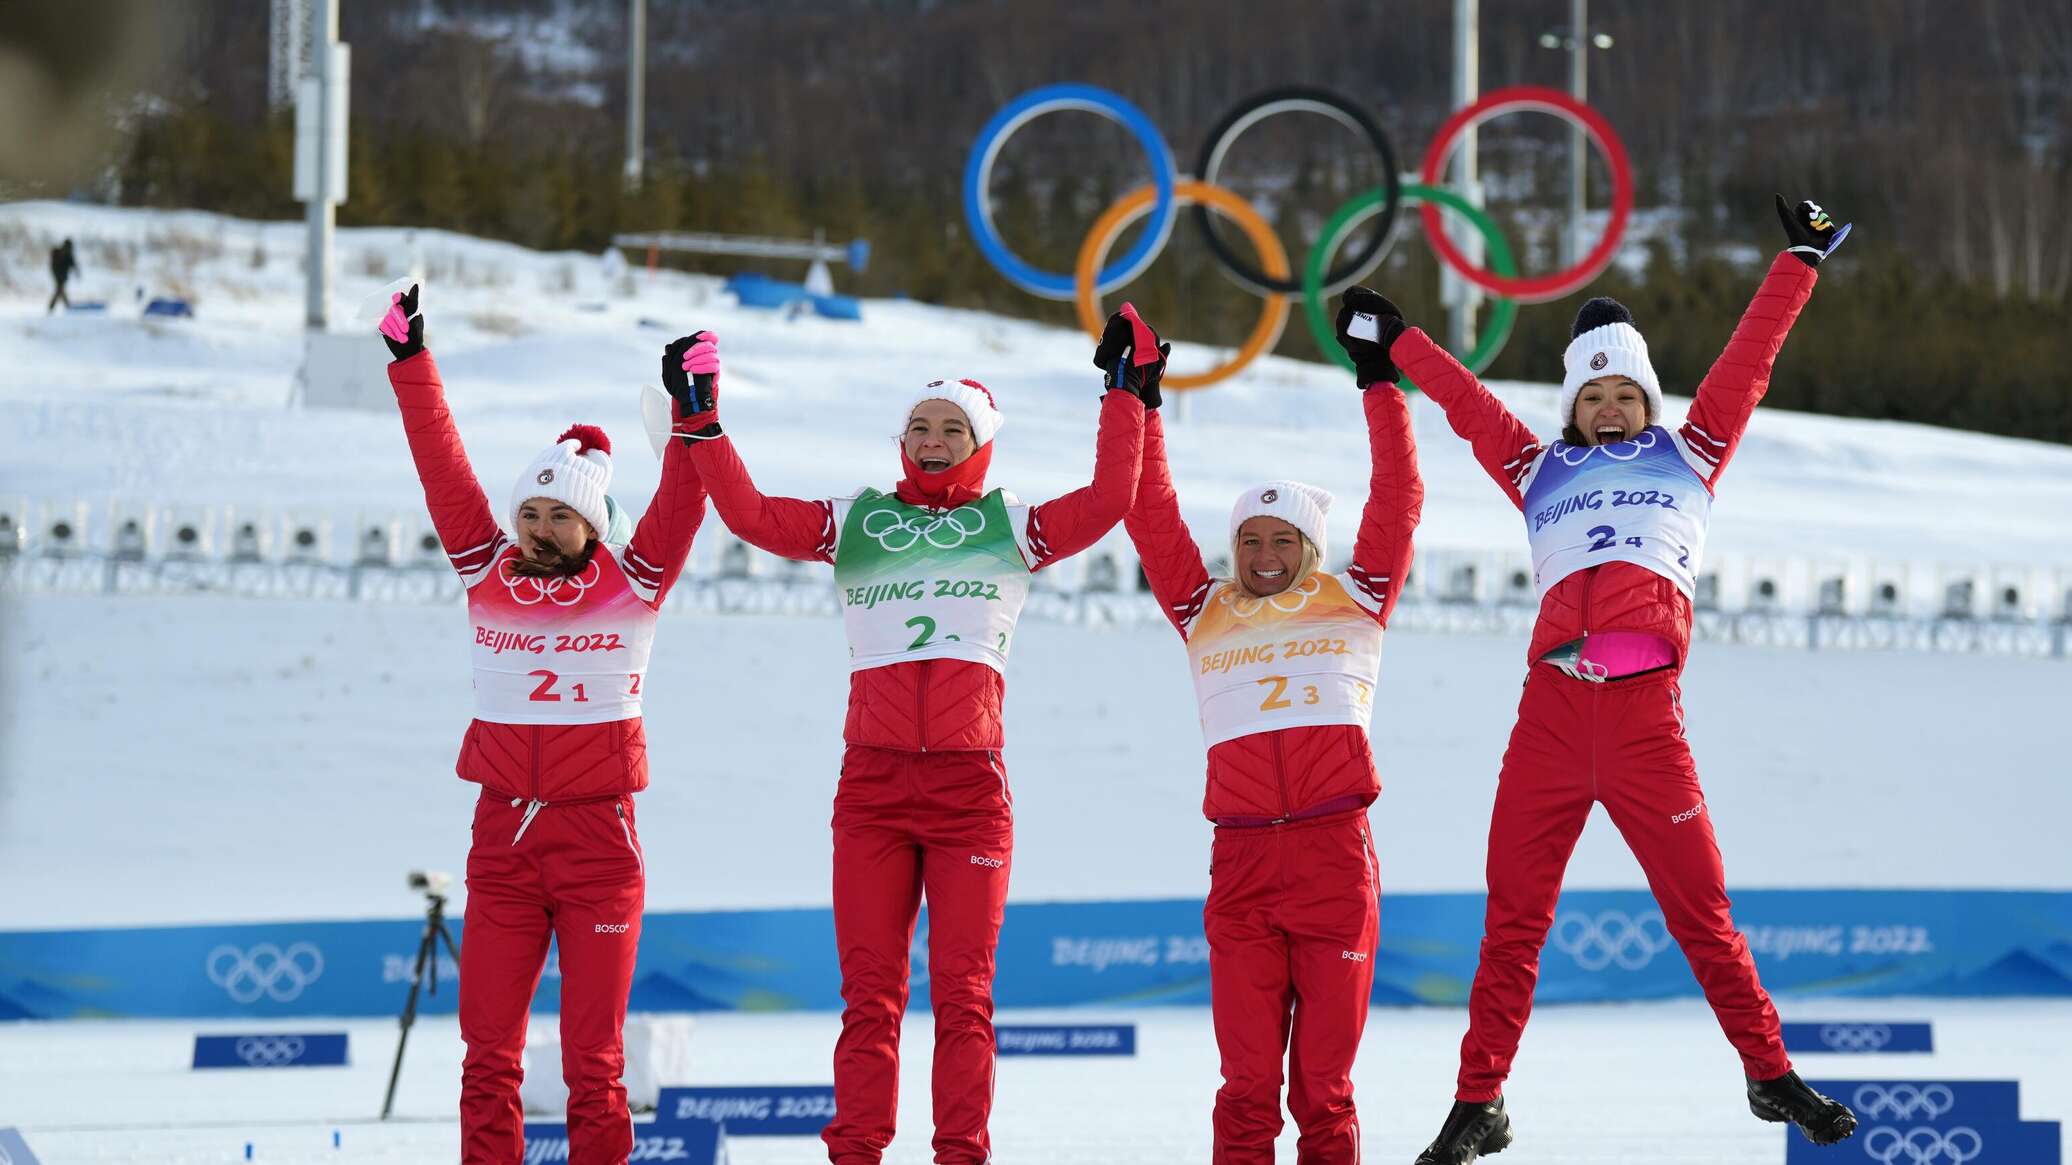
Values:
[(1578, 85), (1467, 85), (636, 87), (323, 33)]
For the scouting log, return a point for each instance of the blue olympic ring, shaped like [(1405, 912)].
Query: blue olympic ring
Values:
[(978, 174)]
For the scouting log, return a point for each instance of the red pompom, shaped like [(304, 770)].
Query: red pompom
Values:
[(591, 437)]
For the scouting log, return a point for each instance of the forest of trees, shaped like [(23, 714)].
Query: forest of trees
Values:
[(1940, 127)]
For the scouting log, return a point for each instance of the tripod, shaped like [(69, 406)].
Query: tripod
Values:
[(427, 958)]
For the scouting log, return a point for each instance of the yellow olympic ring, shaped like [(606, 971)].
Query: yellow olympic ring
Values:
[(1133, 206)]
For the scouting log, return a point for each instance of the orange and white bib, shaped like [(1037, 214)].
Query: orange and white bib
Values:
[(559, 650), (1309, 655)]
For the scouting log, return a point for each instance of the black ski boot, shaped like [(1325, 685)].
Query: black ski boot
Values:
[(1788, 1100), (1471, 1130)]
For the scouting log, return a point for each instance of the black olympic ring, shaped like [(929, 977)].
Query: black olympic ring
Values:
[(1288, 100)]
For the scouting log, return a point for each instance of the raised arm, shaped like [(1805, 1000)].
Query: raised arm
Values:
[(1172, 559), (460, 510), (787, 527), (662, 541), (1132, 362), (1395, 502), (1383, 347), (1736, 382)]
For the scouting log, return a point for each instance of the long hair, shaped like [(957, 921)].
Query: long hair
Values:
[(561, 566), (1309, 565)]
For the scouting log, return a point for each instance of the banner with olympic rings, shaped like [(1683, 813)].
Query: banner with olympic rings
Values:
[(1323, 275), (1603, 945)]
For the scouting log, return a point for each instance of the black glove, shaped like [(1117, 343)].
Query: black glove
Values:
[(696, 394), (1121, 356), (402, 320), (1813, 234), (1371, 363)]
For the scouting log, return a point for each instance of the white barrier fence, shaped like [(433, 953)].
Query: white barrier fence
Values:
[(77, 547)]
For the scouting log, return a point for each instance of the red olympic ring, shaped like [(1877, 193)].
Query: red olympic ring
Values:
[(1538, 288)]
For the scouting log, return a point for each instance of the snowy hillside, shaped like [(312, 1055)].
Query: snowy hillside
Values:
[(215, 758)]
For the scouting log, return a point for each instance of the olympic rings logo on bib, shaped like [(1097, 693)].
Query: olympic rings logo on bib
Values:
[(1573, 455), (897, 535), (528, 591), (1287, 602), (1093, 276)]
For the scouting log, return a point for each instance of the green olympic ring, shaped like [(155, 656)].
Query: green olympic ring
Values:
[(1351, 215)]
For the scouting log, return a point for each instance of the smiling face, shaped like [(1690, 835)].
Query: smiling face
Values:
[(1268, 554), (937, 436), (550, 533), (1610, 409)]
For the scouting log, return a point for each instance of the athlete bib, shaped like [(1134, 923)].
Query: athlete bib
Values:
[(930, 584), (1635, 501), (1306, 656), (559, 650)]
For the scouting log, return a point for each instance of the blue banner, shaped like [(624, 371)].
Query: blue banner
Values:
[(1857, 1037), (770, 1110), (270, 1050), (1603, 946), (1107, 1039), (1919, 1102), (1992, 1143), (691, 1142), (14, 1150)]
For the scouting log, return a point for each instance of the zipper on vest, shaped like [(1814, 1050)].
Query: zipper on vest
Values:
[(535, 763), (1280, 776), (921, 705)]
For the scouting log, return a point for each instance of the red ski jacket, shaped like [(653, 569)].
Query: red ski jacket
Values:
[(932, 705), (1290, 772), (546, 762), (1620, 596)]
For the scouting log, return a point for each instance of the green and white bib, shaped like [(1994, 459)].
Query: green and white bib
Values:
[(930, 584)]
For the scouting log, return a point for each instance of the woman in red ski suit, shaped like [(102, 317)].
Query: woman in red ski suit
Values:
[(1616, 515), (1284, 660), (932, 576), (563, 623)]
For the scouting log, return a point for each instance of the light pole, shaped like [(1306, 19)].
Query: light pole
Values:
[(636, 87), (1574, 38)]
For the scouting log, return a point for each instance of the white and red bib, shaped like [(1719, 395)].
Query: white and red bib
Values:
[(559, 650), (1309, 655)]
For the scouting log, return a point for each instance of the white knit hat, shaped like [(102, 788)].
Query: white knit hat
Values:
[(1301, 506), (1605, 343), (974, 398), (575, 470)]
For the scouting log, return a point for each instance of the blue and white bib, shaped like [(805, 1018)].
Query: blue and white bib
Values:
[(1637, 501)]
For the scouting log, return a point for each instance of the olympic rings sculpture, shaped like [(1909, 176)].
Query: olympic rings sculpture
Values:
[(1093, 275)]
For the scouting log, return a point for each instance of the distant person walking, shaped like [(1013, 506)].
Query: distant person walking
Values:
[(63, 265)]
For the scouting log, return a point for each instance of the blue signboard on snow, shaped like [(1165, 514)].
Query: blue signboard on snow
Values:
[(271, 1050), (689, 1142), (1896, 1102), (1857, 1037), (1106, 1039), (1995, 1143), (766, 1110), (14, 1150), (1604, 945)]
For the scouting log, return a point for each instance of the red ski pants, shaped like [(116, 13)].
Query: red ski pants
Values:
[(1622, 744), (906, 823), (576, 876), (1292, 919)]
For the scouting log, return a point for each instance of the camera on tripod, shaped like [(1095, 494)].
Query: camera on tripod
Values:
[(424, 971)]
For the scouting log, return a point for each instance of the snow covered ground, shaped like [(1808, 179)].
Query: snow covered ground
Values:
[(195, 759), (1632, 1084)]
